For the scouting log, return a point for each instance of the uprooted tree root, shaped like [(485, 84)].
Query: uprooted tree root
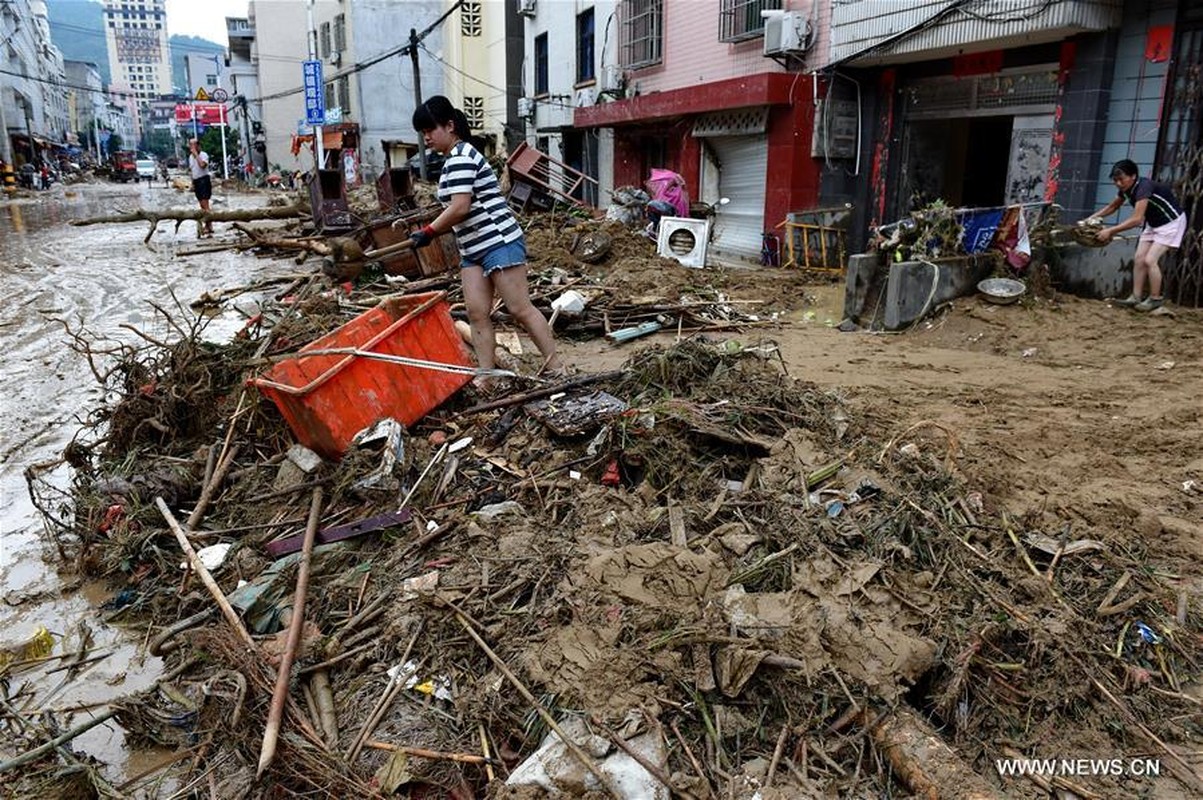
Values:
[(773, 581)]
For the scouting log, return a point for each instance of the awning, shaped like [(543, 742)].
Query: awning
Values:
[(40, 142), (765, 89)]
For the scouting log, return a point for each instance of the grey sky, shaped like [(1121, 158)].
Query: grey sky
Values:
[(205, 19)]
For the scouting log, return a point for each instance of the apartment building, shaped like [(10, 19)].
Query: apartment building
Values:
[(563, 73), (136, 36), (368, 80), (721, 91), (34, 112), (986, 102), (85, 102), (484, 47), (246, 111)]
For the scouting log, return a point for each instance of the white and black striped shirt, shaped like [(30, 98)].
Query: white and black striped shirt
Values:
[(490, 222)]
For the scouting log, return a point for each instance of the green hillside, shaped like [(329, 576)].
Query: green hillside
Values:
[(77, 29)]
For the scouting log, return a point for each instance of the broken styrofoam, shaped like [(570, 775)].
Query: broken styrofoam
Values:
[(554, 769), (496, 510), (569, 304), (411, 588), (304, 458), (212, 556)]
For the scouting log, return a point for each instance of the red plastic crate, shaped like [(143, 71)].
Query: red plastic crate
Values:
[(327, 399)]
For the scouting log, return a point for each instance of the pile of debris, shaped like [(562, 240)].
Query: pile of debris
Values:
[(695, 577)]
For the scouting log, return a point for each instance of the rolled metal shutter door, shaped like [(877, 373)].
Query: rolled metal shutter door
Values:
[(739, 225)]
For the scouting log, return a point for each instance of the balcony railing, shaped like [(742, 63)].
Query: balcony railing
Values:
[(238, 28)]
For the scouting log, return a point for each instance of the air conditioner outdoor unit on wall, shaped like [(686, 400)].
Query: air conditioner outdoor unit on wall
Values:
[(526, 8), (526, 107), (611, 78), (336, 58), (786, 33)]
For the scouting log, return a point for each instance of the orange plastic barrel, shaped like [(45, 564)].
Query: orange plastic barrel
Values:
[(327, 399)]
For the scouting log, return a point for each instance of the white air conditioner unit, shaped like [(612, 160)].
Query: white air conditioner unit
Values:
[(526, 8), (786, 33), (526, 107), (336, 58), (611, 78)]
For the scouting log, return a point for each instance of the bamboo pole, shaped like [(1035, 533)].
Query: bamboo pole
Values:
[(573, 748), (195, 563), (53, 744), (463, 758), (271, 733)]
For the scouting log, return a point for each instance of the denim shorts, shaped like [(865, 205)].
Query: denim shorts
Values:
[(510, 254)]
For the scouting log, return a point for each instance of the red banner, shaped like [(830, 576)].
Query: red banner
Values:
[(206, 113)]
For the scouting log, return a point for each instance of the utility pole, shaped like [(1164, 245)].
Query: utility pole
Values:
[(6, 152), (317, 129), (413, 57), (246, 129), (225, 161), (415, 41)]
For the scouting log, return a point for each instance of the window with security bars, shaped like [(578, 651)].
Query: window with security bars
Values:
[(470, 19), (642, 32), (344, 94), (474, 110), (324, 38), (740, 19), (340, 33)]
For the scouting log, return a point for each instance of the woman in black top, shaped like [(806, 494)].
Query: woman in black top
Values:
[(1155, 207)]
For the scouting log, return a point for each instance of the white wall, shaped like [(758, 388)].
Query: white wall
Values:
[(280, 46), (554, 111)]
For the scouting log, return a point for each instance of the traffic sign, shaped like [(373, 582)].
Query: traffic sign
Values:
[(220, 95), (202, 95), (315, 100)]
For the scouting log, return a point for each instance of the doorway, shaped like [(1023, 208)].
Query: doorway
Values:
[(963, 161)]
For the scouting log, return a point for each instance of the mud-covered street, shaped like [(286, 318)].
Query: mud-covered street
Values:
[(983, 529), (103, 278)]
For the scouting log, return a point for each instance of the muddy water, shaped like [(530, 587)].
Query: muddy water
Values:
[(104, 277)]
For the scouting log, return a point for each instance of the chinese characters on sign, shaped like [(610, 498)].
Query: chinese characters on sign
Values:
[(138, 46), (315, 101)]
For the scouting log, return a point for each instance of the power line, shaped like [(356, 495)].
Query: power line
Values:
[(217, 49), (66, 85), (360, 66), (454, 68)]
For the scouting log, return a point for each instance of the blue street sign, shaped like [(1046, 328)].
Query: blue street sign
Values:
[(315, 99)]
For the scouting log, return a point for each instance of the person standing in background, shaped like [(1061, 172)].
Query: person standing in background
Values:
[(202, 183)]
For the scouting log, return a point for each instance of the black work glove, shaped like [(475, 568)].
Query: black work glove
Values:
[(422, 237)]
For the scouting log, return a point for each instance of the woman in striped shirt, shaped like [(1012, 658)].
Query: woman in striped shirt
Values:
[(1164, 224), (489, 237)]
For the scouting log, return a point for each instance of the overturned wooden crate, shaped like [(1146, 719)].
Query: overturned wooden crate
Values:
[(533, 173)]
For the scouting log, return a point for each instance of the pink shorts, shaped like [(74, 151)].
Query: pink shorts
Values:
[(1169, 234)]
